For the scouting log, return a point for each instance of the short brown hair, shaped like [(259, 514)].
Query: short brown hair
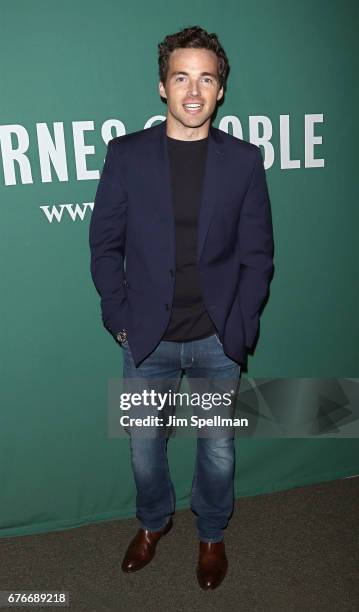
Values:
[(193, 37)]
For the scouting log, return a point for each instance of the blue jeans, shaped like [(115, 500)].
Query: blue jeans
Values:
[(212, 495)]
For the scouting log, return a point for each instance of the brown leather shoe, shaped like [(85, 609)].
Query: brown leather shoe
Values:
[(212, 564), (142, 548)]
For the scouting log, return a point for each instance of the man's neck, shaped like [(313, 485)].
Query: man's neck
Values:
[(178, 131)]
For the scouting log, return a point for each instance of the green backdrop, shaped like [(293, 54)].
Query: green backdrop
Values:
[(83, 72)]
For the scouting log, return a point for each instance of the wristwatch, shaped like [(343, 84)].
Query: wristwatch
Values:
[(121, 336)]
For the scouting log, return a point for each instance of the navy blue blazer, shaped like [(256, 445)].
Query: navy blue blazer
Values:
[(132, 240)]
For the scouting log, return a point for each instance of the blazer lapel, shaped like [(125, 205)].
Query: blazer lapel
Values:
[(213, 177), (157, 167)]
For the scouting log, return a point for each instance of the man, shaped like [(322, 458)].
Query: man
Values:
[(181, 254)]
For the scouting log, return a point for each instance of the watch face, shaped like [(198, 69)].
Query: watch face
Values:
[(122, 336)]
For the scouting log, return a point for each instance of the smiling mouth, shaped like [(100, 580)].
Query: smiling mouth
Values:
[(193, 108)]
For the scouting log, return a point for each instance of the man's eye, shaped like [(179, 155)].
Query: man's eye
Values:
[(181, 77), (208, 79)]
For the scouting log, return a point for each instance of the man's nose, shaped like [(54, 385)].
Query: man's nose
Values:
[(193, 89)]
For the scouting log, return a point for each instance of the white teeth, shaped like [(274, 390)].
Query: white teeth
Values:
[(192, 105)]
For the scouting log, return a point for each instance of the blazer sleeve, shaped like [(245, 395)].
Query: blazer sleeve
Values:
[(256, 250), (107, 234)]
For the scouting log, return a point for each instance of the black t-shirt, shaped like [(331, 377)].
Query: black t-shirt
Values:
[(189, 318)]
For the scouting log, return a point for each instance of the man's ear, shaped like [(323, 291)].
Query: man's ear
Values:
[(220, 94), (162, 90)]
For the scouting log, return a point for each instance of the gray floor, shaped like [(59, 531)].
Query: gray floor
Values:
[(294, 550)]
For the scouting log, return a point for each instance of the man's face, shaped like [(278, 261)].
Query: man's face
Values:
[(192, 79)]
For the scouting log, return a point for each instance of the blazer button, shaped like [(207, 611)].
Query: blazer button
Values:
[(172, 273), (167, 306)]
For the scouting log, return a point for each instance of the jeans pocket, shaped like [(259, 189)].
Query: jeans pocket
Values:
[(218, 340)]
